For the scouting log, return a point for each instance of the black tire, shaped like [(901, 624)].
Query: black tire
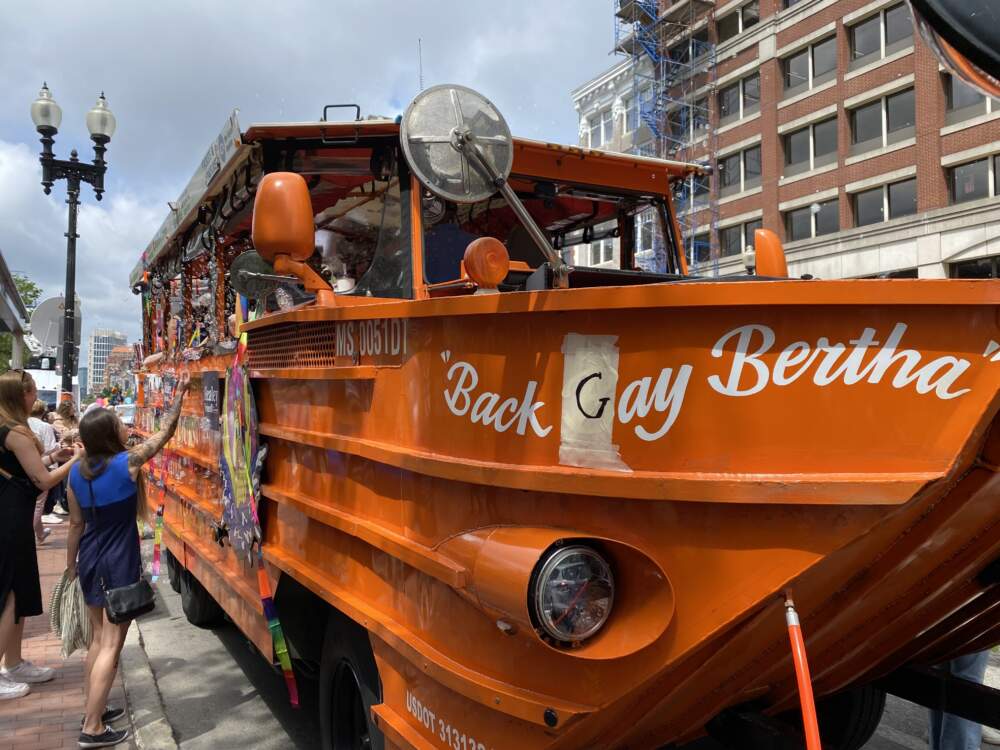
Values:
[(174, 570), (848, 720), (200, 608), (348, 688)]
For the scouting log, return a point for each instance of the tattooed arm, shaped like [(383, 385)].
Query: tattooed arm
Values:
[(140, 454)]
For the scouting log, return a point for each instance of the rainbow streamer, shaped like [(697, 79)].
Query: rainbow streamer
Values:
[(157, 539), (277, 635), (239, 395)]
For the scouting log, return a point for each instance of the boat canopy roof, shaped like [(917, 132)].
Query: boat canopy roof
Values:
[(231, 149)]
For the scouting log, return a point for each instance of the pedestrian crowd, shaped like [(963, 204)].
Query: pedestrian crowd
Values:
[(54, 467)]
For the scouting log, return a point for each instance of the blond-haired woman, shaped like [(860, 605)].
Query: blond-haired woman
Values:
[(22, 475)]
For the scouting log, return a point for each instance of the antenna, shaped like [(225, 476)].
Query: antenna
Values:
[(420, 61)]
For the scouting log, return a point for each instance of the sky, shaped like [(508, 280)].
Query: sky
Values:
[(173, 71)]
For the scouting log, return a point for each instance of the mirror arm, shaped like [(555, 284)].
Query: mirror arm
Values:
[(560, 271), (311, 280)]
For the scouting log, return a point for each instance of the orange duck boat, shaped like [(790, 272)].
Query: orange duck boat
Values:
[(509, 503)]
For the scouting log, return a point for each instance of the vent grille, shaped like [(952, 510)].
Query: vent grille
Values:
[(292, 345)]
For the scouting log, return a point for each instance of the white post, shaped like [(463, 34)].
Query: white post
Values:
[(17, 351)]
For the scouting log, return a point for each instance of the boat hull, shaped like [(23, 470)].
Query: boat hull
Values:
[(721, 442)]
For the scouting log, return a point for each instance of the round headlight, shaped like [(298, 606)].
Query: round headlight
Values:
[(573, 593)]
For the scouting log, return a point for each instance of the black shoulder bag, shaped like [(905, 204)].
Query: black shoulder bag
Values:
[(124, 603)]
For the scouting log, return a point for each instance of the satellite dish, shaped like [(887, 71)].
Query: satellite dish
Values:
[(459, 147), (47, 319), (433, 131), (254, 277)]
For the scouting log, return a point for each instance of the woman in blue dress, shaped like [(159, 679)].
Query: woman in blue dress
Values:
[(103, 546)]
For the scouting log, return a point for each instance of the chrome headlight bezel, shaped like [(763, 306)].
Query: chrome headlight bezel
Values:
[(557, 558)]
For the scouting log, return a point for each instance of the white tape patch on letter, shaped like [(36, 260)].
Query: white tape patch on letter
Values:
[(589, 394)]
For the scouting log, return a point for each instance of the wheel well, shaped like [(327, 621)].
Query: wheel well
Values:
[(301, 614), (307, 619)]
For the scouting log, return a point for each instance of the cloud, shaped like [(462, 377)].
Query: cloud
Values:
[(112, 233), (174, 71)]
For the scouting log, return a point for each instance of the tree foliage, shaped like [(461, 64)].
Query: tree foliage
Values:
[(30, 294)]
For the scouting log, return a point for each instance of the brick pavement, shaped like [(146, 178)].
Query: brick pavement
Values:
[(49, 716)]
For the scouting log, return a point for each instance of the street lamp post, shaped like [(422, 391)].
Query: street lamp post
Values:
[(47, 115)]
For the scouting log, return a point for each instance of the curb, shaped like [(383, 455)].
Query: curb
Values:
[(151, 730)]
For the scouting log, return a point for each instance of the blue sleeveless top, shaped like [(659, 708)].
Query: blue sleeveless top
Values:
[(109, 548)]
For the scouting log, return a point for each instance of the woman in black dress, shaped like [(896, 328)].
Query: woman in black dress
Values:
[(102, 548), (23, 476)]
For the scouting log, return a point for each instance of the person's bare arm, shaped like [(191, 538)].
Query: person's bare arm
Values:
[(26, 450), (154, 444), (76, 527)]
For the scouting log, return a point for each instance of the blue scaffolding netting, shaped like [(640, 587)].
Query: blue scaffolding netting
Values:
[(673, 66)]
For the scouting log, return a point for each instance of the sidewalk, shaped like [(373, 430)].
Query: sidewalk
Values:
[(49, 716)]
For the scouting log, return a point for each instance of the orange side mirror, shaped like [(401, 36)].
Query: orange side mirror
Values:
[(770, 255), (486, 262), (283, 218)]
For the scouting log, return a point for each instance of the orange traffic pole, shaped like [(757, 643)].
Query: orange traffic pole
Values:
[(809, 722)]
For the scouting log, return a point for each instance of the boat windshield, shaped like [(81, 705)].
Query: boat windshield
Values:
[(589, 227)]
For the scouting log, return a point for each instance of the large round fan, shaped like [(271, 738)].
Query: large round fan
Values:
[(434, 129), (250, 276)]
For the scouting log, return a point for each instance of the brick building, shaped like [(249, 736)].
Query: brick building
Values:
[(824, 120), (118, 370)]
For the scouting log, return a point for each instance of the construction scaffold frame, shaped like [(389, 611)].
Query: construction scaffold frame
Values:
[(673, 65)]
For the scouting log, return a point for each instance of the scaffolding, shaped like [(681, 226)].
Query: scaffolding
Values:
[(673, 65)]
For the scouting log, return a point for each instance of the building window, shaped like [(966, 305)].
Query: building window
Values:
[(738, 21), (601, 129), (885, 202), (700, 247), (813, 220), (739, 171), (811, 147), (980, 268), (748, 231), (733, 239), (964, 102), (790, 3), (644, 223), (810, 67), (901, 198), (972, 181), (883, 122), (740, 99), (880, 35), (631, 114), (602, 250)]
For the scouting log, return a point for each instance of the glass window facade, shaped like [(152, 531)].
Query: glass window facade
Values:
[(751, 166), (828, 217), (730, 239), (866, 38), (729, 101), (866, 123), (797, 147), (960, 95), (825, 137), (728, 26), (748, 231), (824, 59), (751, 14), (751, 93), (969, 182), (898, 27), (901, 111), (729, 171), (798, 224), (796, 70), (902, 198), (869, 207)]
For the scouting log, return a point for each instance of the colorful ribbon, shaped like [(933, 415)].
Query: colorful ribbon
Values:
[(157, 539), (277, 635), (239, 397)]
